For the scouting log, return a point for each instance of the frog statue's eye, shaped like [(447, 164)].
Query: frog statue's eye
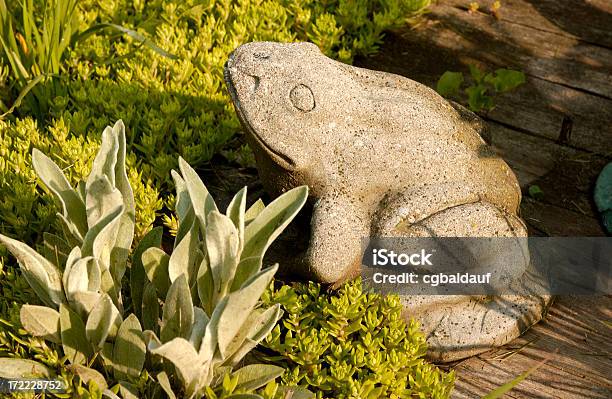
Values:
[(302, 98)]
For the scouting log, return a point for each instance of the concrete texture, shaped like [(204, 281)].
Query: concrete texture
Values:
[(383, 156)]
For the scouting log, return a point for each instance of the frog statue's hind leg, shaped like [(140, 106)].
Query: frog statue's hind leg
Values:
[(457, 326)]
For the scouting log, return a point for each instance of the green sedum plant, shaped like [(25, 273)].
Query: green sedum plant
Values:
[(351, 344), (212, 283)]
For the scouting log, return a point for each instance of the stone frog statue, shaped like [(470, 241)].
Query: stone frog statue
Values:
[(383, 156)]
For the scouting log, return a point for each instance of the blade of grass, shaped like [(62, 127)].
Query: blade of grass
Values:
[(510, 353), (131, 33), (22, 94), (507, 387)]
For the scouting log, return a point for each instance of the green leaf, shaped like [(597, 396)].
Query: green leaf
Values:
[(155, 262), (121, 178), (177, 316), (150, 307), (103, 317), (253, 211), (127, 390), (74, 340), (262, 231), (105, 160), (477, 98), (245, 270), (201, 200), (88, 375), (100, 238), (41, 321), (11, 368), (210, 339), (41, 275), (130, 350), (184, 358), (101, 200), (449, 83), (71, 232), (506, 80), (536, 192), (183, 203), (206, 286), (265, 323), (477, 74), (255, 376), (184, 258), (107, 393), (138, 277), (55, 180), (239, 305), (164, 383), (236, 212), (200, 321), (222, 245), (244, 396), (257, 326), (84, 302), (84, 275), (111, 288), (55, 249)]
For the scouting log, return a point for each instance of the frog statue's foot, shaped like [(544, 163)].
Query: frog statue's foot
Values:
[(458, 326)]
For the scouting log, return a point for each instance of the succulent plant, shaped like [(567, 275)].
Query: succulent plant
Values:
[(80, 288), (212, 283), (351, 343)]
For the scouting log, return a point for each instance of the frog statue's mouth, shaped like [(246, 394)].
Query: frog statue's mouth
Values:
[(229, 73)]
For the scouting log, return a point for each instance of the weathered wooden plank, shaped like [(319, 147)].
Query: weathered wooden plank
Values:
[(588, 21), (556, 58), (575, 339), (542, 108), (558, 222), (565, 175)]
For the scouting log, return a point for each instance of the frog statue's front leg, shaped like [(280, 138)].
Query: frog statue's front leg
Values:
[(339, 224)]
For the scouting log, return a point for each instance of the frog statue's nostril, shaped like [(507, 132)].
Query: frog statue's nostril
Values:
[(252, 82)]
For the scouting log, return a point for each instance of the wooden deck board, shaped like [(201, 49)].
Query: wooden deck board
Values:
[(565, 48), (575, 338), (552, 16)]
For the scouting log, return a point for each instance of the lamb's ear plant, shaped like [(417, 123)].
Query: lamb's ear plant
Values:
[(80, 288), (212, 284)]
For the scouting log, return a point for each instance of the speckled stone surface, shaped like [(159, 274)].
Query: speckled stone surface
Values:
[(383, 156)]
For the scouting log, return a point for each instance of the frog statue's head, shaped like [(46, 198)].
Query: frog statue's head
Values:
[(288, 98)]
